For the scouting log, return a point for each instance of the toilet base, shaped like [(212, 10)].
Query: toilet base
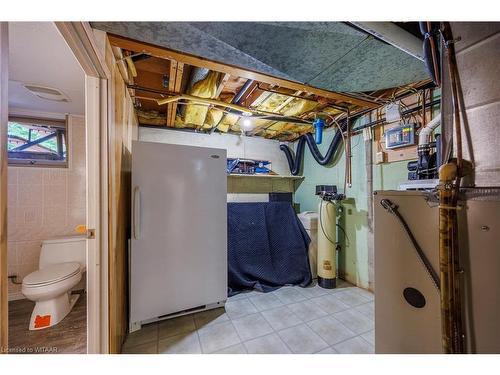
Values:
[(50, 312)]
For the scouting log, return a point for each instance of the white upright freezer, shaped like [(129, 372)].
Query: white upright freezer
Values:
[(178, 256)]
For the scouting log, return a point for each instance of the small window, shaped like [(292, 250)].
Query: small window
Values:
[(37, 142)]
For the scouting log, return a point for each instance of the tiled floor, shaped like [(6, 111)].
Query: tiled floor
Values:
[(289, 320)]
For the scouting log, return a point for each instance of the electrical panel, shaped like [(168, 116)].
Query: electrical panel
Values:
[(400, 136)]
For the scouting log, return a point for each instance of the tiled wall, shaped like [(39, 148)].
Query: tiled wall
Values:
[(44, 203)]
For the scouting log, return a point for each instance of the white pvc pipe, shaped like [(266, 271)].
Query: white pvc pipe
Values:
[(425, 134)]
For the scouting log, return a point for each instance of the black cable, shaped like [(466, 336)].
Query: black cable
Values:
[(393, 209)]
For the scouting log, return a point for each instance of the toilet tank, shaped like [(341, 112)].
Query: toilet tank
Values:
[(63, 249)]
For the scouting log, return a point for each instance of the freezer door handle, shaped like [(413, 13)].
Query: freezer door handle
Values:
[(136, 217)]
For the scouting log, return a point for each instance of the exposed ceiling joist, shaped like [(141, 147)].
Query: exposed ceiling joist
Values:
[(162, 52), (174, 84)]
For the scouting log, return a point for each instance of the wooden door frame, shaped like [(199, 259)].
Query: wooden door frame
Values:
[(80, 38), (4, 110)]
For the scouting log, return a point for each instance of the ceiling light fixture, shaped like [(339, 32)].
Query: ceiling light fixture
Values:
[(45, 92), (247, 124)]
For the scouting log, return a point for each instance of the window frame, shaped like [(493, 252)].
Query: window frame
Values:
[(41, 163)]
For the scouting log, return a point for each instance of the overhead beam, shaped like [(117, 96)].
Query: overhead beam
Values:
[(222, 84), (166, 53), (174, 84)]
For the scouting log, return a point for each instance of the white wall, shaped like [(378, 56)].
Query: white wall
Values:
[(236, 146)]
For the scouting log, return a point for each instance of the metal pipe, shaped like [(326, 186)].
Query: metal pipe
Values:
[(447, 216), (404, 113), (197, 99), (450, 174), (242, 91), (249, 113)]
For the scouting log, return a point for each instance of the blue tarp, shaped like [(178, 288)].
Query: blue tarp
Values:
[(267, 247)]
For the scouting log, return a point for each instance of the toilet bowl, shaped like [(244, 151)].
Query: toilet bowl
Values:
[(62, 263)]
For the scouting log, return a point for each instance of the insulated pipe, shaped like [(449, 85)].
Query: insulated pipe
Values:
[(425, 134)]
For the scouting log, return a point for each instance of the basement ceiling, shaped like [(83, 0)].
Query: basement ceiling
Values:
[(198, 82), (329, 55)]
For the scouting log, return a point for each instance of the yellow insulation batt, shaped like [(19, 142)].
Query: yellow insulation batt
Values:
[(206, 88), (151, 117)]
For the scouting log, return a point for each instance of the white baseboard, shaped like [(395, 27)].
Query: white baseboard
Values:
[(16, 296)]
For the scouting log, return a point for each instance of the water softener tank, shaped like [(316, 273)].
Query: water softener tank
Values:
[(326, 245)]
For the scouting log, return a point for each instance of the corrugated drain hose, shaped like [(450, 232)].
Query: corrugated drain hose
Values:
[(295, 163), (393, 209)]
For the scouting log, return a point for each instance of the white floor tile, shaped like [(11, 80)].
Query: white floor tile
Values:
[(355, 321), (289, 294), (367, 309), (331, 330), (313, 291), (356, 345), (302, 339), (352, 298), (265, 301), (269, 344), (281, 317), (217, 337), (330, 303), (369, 336), (328, 350), (252, 326), (235, 349), (307, 310), (239, 308)]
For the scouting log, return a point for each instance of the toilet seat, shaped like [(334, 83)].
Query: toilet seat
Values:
[(51, 274)]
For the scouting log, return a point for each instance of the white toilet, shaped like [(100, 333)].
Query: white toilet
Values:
[(62, 263)]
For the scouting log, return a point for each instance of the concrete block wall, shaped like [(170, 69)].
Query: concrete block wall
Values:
[(478, 56)]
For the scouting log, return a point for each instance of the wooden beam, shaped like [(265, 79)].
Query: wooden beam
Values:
[(166, 53), (174, 85), (222, 84)]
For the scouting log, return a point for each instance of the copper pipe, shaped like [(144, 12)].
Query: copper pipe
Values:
[(449, 176), (434, 57)]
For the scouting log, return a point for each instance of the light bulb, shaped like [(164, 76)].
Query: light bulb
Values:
[(247, 124)]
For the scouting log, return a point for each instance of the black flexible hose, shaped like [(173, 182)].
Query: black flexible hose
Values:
[(430, 50), (295, 163), (393, 209)]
